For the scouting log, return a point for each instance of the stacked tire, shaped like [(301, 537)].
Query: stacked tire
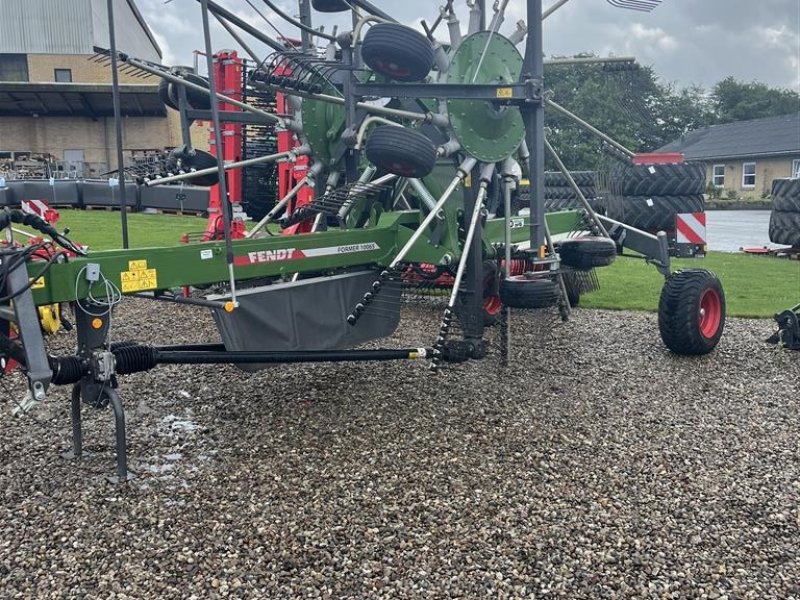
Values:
[(558, 195), (784, 223), (649, 196)]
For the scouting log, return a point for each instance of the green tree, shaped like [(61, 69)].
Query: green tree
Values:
[(735, 100)]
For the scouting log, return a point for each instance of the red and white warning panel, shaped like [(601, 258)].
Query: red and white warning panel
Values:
[(41, 209), (691, 228)]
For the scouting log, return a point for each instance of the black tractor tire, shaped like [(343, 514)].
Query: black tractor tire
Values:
[(397, 51), (556, 204), (691, 312), (652, 212), (492, 304), (566, 192), (784, 228), (329, 6), (401, 151), (557, 179), (518, 291), (685, 179), (587, 252), (163, 93), (786, 195)]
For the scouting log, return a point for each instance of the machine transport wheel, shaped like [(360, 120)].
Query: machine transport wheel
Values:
[(786, 195), (164, 94), (197, 160), (492, 304), (401, 151), (197, 100), (684, 179), (523, 291), (691, 313), (398, 52), (587, 252), (329, 6), (784, 228)]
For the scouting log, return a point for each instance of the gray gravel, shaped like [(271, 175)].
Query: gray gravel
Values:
[(599, 468)]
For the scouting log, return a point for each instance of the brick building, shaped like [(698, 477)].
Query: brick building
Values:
[(55, 100)]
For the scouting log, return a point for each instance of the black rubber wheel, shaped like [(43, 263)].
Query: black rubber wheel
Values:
[(518, 291), (658, 180), (587, 252), (197, 100), (691, 313), (786, 195), (784, 228), (398, 52), (163, 93), (492, 304), (329, 6), (652, 212), (401, 151), (196, 160), (557, 179)]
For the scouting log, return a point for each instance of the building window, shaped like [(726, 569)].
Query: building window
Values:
[(719, 176), (63, 75), (796, 167), (13, 67), (749, 175)]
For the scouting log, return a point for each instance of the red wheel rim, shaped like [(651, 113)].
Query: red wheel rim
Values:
[(710, 313), (492, 305)]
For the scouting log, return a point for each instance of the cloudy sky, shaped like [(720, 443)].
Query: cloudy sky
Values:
[(686, 41)]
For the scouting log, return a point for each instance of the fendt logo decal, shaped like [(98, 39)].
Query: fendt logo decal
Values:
[(288, 254)]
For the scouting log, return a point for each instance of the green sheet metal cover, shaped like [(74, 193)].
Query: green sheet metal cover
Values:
[(487, 131)]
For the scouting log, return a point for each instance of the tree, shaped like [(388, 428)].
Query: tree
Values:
[(740, 101)]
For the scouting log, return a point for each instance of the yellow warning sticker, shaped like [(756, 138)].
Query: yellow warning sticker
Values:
[(505, 92), (138, 278), (39, 284), (137, 265)]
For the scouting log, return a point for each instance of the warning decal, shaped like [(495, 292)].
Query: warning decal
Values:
[(290, 254), (138, 277)]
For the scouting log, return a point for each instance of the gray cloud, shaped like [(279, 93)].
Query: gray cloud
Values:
[(686, 41)]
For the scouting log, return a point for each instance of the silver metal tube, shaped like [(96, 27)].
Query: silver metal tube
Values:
[(475, 17), (589, 127), (519, 33), (454, 27), (424, 195), (553, 8), (463, 170), (227, 167), (199, 88), (507, 213), (277, 208), (574, 186), (589, 60)]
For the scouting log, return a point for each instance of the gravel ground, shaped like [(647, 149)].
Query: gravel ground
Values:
[(612, 470)]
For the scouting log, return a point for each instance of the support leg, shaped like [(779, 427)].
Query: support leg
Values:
[(77, 425), (123, 474)]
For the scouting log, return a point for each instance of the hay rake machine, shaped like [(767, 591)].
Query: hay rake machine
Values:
[(407, 139)]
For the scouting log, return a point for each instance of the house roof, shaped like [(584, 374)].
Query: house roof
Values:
[(773, 136), (77, 100)]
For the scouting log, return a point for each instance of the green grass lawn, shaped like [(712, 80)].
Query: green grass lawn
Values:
[(755, 286), (101, 230)]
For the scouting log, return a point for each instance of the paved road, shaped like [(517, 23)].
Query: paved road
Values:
[(729, 230)]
